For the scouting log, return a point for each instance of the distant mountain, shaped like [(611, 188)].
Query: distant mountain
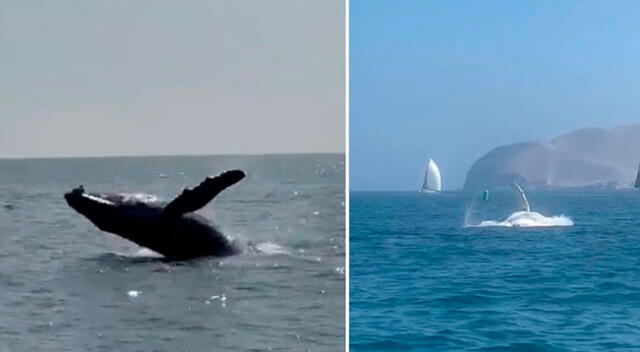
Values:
[(588, 157)]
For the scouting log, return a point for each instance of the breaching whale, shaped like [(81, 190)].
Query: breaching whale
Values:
[(172, 229), (523, 217), (527, 218)]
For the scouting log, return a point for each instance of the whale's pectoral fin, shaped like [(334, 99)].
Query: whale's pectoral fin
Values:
[(522, 199), (196, 198)]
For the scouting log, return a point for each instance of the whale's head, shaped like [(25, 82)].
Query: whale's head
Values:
[(73, 197), (99, 210), (84, 203)]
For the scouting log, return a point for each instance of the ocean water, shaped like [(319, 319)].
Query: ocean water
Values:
[(425, 277), (67, 286)]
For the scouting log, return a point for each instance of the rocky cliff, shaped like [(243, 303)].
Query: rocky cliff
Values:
[(589, 157)]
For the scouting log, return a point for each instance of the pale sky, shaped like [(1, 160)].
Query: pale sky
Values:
[(98, 78)]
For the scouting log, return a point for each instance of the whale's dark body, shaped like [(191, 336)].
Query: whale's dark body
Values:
[(172, 229)]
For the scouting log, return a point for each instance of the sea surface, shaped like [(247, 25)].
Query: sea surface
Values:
[(424, 276), (67, 286)]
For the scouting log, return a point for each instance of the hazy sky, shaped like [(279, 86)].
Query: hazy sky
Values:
[(93, 77), (451, 80)]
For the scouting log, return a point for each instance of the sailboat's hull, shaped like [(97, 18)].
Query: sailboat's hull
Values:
[(428, 191)]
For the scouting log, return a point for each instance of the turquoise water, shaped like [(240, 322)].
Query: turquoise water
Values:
[(65, 285), (420, 280)]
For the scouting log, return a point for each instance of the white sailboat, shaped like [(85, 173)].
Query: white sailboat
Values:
[(432, 179)]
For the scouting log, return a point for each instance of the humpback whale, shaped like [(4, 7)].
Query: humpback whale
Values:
[(524, 217), (527, 218), (172, 229)]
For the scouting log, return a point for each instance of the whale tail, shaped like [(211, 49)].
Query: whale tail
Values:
[(191, 200)]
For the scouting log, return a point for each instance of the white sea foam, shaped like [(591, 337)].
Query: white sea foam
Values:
[(146, 253), (141, 252), (527, 219), (222, 298), (270, 248)]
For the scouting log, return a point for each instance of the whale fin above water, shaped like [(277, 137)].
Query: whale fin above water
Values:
[(191, 200), (522, 199)]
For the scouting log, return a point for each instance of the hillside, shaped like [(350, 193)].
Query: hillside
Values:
[(588, 157)]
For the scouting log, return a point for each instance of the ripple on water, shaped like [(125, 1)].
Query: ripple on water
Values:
[(58, 268), (421, 281)]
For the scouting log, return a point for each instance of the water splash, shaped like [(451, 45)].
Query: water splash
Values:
[(146, 253), (270, 248), (522, 218), (527, 219), (141, 252)]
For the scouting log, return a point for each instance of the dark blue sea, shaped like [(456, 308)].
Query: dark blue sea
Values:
[(67, 286), (425, 277)]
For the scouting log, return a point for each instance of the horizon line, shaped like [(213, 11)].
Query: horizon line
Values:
[(2, 158)]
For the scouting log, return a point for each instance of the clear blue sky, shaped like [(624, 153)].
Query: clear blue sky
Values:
[(451, 80)]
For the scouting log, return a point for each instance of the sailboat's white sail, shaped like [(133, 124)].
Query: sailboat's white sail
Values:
[(638, 178), (432, 180)]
